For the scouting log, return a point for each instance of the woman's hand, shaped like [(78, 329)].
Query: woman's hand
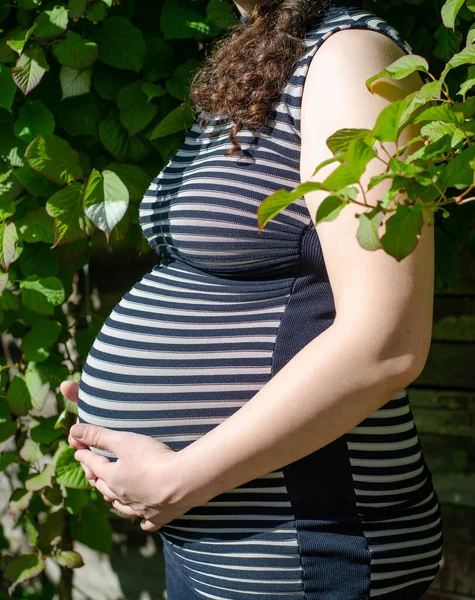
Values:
[(145, 479)]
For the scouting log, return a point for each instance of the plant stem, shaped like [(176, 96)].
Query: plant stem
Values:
[(65, 590)]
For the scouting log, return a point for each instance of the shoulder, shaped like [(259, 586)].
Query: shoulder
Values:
[(356, 52), (336, 77)]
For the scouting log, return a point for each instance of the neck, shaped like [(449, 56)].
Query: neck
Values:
[(245, 6)]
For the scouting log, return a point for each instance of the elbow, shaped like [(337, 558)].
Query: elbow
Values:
[(405, 367)]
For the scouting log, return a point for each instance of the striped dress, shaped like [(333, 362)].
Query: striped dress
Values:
[(225, 309)]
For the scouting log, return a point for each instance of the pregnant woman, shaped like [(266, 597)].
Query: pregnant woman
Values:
[(247, 397)]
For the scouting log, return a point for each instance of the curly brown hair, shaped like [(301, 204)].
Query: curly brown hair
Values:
[(251, 65)]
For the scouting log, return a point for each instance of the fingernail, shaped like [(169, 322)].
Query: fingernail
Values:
[(78, 431)]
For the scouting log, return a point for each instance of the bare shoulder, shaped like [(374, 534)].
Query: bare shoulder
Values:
[(348, 58), (335, 95)]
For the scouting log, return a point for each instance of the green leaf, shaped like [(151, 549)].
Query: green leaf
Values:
[(106, 200), (341, 139), (42, 429), (135, 110), (30, 529), (159, 60), (69, 471), (22, 569), (114, 137), (36, 226), (432, 150), (448, 42), (178, 84), (7, 430), (436, 129), (179, 119), (139, 148), (18, 41), (401, 68), (42, 294), (449, 12), (54, 158), (34, 183), (359, 155), (53, 370), (77, 8), (403, 230), (29, 69), (466, 56), (273, 204), (43, 479), (33, 119), (470, 82), (38, 386), (367, 234), (9, 301), (18, 396), (39, 339), (329, 208), (388, 122), (181, 20), (219, 13), (8, 458), (96, 531), (135, 179), (75, 52), (75, 500), (7, 88), (97, 11), (120, 44), (74, 82), (470, 35), (108, 81), (458, 172), (31, 451), (428, 92), (29, 4), (50, 531), (52, 496), (19, 500), (399, 167), (69, 559), (10, 189), (70, 221), (3, 280), (10, 244), (151, 90), (443, 113), (51, 23), (80, 115)]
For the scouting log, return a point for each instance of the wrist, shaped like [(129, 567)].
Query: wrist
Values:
[(186, 485)]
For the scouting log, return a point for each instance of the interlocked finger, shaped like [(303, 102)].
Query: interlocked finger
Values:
[(102, 486), (124, 508), (89, 474)]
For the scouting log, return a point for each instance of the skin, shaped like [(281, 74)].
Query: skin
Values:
[(377, 345), (245, 6)]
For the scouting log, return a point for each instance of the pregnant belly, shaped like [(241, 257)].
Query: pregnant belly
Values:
[(181, 352)]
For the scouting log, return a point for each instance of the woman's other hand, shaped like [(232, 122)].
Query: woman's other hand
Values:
[(70, 390), (144, 481)]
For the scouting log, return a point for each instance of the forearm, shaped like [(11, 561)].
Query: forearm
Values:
[(325, 390)]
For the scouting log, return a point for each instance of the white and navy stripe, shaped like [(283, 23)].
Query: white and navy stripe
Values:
[(223, 311)]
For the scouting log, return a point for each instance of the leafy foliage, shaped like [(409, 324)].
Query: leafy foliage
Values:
[(429, 180), (93, 102)]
